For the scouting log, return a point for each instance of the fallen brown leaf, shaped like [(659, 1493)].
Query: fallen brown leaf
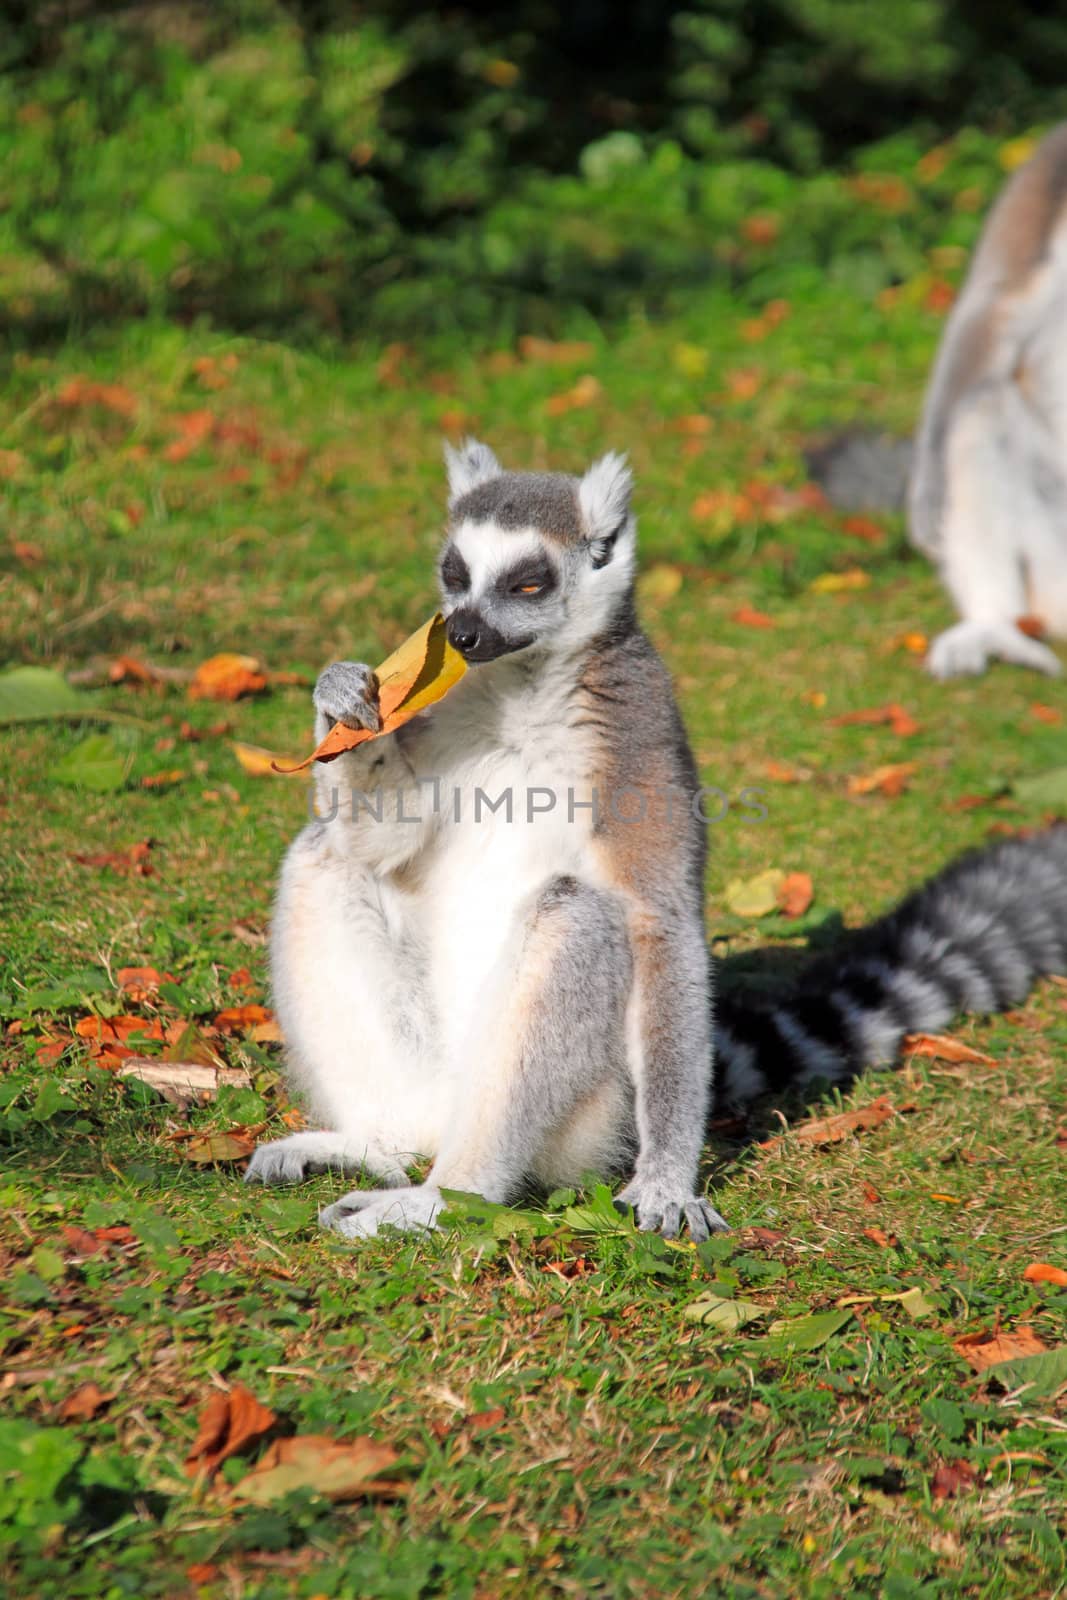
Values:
[(795, 894), (163, 780), (84, 1403), (942, 1047), (831, 1130), (338, 1471), (134, 859), (894, 715), (140, 982), (1047, 714), (239, 1019), (229, 1423), (878, 1236), (127, 669), (416, 675), (890, 780), (207, 1149), (83, 1243), (783, 772), (748, 617), (228, 677), (863, 528), (984, 1349), (1044, 1272), (950, 1478), (584, 393)]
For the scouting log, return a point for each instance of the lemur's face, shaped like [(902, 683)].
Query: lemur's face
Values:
[(533, 559)]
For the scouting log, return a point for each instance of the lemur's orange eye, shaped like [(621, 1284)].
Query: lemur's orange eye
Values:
[(530, 588)]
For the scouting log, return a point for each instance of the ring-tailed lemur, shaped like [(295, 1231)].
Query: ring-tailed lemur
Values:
[(988, 493), (489, 949)]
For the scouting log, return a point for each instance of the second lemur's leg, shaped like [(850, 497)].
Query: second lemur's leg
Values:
[(999, 511), (541, 1087)]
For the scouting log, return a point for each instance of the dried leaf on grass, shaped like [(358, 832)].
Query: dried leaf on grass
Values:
[(983, 1349), (140, 982), (207, 1149), (889, 780), (229, 1423), (942, 1047), (840, 582), (338, 1471), (84, 1403), (831, 1130), (748, 617), (133, 859), (1044, 1272), (791, 893), (184, 1083), (416, 675), (893, 715), (228, 677), (951, 1478), (795, 894)]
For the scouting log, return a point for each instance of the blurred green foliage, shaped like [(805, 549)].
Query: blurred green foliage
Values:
[(334, 166)]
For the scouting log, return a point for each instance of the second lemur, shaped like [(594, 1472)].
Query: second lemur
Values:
[(488, 949)]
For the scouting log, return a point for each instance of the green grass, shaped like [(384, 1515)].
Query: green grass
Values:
[(617, 1447)]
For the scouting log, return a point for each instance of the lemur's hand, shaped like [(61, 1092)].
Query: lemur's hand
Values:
[(662, 1208), (348, 692)]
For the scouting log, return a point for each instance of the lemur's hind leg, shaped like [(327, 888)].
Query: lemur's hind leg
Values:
[(542, 1089)]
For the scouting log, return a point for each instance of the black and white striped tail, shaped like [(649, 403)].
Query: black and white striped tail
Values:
[(974, 938)]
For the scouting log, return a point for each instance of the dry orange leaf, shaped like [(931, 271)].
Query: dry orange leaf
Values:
[(228, 677), (228, 1424), (942, 1047), (238, 1019), (1044, 1272), (878, 1236), (840, 582), (749, 617), (950, 1477), (983, 1349), (584, 393), (416, 675), (134, 859), (338, 1471), (84, 1403), (795, 894), (1047, 714), (140, 982), (890, 780), (863, 528), (783, 772), (127, 669), (894, 715), (831, 1130)]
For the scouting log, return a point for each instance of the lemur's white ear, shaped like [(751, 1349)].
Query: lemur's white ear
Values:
[(473, 463), (604, 496)]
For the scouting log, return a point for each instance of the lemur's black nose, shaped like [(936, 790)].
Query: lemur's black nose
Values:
[(464, 631)]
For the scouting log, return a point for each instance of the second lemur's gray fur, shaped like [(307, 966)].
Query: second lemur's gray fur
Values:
[(488, 949)]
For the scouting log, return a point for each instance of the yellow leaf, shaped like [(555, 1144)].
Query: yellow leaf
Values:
[(840, 582), (755, 897), (659, 583), (1016, 153), (418, 673), (256, 761), (691, 360)]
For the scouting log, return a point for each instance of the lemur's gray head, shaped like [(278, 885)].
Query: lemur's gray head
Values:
[(533, 558)]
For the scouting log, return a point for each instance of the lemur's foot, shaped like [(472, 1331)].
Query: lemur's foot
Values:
[(293, 1159), (966, 649), (347, 692), (359, 1215), (660, 1208)]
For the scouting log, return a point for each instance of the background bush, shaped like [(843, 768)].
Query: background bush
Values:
[(383, 165)]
